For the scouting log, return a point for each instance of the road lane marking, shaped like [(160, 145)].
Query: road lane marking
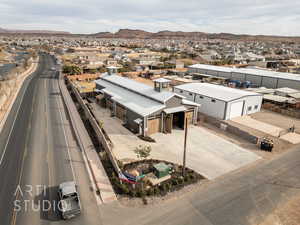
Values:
[(10, 132), (14, 216), (69, 155), (29, 78)]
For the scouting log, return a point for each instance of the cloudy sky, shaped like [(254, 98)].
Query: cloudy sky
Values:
[(277, 17)]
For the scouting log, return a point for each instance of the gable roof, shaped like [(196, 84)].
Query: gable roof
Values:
[(216, 91), (139, 88), (137, 103)]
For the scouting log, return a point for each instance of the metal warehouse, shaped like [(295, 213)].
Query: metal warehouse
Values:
[(261, 78), (143, 109), (219, 101)]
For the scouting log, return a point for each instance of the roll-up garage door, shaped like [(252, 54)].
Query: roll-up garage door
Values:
[(236, 109)]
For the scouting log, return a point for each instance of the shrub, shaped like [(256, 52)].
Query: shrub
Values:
[(186, 179), (133, 193), (180, 180), (150, 191), (124, 188), (168, 186), (175, 181), (156, 191)]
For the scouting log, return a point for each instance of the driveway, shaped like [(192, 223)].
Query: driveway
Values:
[(208, 154)]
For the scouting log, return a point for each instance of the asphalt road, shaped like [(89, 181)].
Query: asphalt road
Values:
[(38, 152), (242, 198)]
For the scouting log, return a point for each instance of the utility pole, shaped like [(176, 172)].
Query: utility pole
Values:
[(184, 150)]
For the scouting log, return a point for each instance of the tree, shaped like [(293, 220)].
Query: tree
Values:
[(72, 69), (142, 152)]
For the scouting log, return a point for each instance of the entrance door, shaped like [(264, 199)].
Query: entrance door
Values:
[(153, 126), (168, 123)]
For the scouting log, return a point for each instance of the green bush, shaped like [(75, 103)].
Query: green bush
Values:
[(150, 191), (175, 181), (133, 193), (168, 186), (180, 180), (156, 191), (124, 188)]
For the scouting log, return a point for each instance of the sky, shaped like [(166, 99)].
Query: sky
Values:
[(269, 17)]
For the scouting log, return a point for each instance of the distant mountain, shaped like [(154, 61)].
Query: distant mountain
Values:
[(8, 31), (141, 34)]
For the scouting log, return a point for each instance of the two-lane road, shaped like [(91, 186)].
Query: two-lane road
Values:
[(38, 152)]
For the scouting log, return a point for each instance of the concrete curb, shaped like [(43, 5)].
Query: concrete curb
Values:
[(23, 76)]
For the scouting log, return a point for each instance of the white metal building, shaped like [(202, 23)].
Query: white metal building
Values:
[(219, 101), (261, 78)]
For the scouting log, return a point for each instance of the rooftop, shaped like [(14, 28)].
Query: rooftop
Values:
[(257, 72), (139, 88), (135, 102), (216, 91)]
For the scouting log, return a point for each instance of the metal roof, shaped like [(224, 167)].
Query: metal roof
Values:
[(162, 80), (256, 72), (278, 98), (139, 88), (216, 91), (295, 95), (175, 109), (287, 90), (262, 90), (135, 102)]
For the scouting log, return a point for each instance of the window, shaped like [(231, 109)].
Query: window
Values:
[(249, 108), (213, 100), (256, 107), (201, 97), (191, 94), (181, 91)]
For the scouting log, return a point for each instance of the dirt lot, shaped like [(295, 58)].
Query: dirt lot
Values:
[(279, 144), (277, 119)]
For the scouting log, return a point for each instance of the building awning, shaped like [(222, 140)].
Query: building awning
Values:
[(187, 102), (175, 109)]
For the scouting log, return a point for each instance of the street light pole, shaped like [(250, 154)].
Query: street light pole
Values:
[(184, 150)]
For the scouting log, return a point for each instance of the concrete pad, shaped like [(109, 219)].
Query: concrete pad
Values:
[(293, 138), (258, 125), (207, 153)]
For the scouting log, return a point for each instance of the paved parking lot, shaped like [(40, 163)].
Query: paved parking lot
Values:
[(208, 154)]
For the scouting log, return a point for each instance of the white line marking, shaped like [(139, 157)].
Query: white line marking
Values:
[(12, 127), (61, 118)]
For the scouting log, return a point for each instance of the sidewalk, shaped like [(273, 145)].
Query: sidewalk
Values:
[(11, 99), (94, 164)]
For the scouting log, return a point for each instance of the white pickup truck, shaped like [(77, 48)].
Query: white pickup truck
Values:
[(69, 200)]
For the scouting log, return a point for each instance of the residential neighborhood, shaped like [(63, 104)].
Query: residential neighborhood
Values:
[(149, 127)]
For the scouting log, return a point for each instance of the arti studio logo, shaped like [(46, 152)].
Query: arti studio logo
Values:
[(34, 198)]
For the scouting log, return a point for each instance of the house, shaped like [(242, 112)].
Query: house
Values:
[(144, 109), (221, 102)]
